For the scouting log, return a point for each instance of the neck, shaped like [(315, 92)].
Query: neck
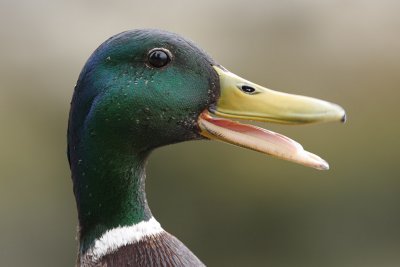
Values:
[(109, 186)]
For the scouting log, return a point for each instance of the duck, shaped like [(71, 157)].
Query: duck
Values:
[(147, 88)]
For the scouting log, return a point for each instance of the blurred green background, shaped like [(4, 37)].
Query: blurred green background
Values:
[(231, 206)]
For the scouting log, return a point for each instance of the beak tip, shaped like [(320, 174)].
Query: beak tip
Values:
[(344, 118), (324, 167), (314, 161)]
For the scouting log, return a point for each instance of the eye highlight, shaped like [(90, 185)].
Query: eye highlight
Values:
[(159, 57)]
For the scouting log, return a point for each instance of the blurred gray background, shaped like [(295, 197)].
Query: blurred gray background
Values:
[(231, 206)]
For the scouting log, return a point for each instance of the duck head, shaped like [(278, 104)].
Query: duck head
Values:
[(152, 88), (144, 89)]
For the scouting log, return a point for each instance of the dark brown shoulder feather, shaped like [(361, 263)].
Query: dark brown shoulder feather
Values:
[(160, 250)]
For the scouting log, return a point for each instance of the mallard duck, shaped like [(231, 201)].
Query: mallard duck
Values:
[(143, 89)]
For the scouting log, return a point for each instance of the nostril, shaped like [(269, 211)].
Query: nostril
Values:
[(247, 89)]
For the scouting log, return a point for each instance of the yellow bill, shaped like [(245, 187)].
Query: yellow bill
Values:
[(242, 99)]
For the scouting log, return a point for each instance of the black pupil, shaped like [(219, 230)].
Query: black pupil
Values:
[(158, 58), (248, 89)]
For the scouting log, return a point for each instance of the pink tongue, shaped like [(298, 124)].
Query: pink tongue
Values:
[(259, 139)]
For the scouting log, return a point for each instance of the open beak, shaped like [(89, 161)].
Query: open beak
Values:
[(245, 100)]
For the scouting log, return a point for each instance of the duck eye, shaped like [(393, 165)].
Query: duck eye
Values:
[(247, 89), (158, 58)]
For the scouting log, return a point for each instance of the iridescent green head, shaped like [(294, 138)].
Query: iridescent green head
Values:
[(143, 89), (146, 87)]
